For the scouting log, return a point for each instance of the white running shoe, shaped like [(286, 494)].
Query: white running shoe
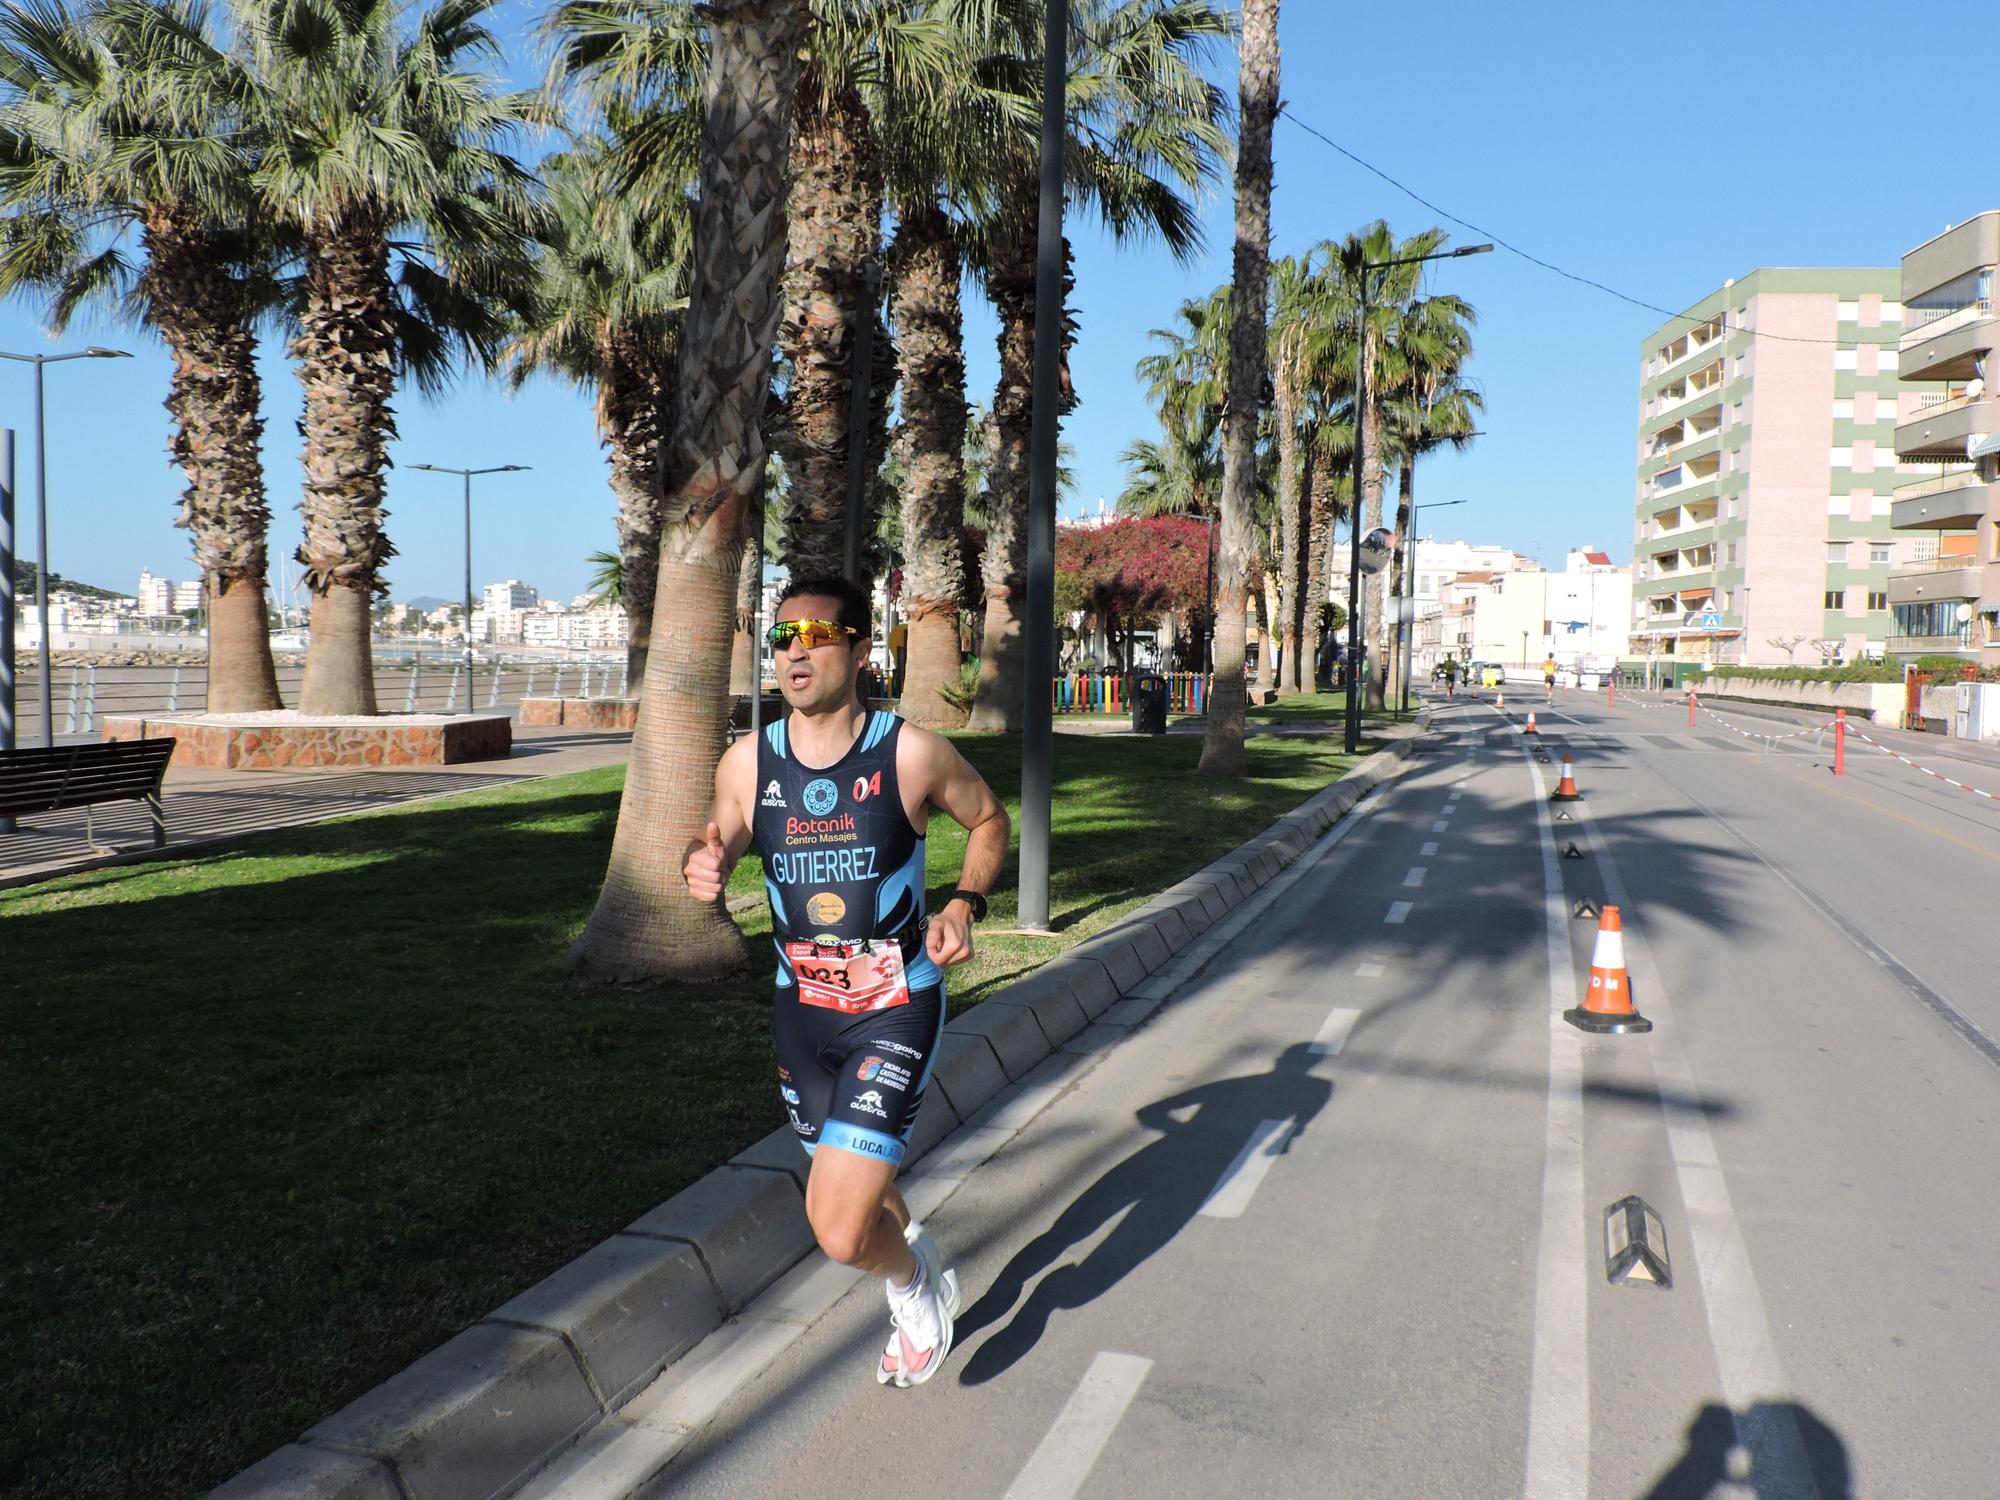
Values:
[(921, 1337)]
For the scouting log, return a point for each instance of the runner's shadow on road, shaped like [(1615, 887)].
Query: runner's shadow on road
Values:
[(1151, 1195), (1761, 1438)]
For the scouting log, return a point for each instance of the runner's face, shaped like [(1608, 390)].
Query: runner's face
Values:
[(822, 678)]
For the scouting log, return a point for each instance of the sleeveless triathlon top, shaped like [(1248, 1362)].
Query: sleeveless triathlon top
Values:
[(841, 858)]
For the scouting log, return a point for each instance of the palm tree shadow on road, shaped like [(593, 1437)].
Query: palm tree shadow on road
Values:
[(1157, 1189)]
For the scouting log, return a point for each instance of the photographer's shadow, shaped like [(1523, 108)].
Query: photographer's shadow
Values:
[(1159, 1188), (1768, 1460)]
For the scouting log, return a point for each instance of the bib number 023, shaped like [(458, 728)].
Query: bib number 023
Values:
[(851, 977)]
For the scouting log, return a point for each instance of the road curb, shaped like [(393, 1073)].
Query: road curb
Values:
[(482, 1415)]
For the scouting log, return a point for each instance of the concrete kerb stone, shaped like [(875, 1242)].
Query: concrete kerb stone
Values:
[(1012, 1031), (472, 1418), (749, 1225), (629, 1307), (480, 1414)]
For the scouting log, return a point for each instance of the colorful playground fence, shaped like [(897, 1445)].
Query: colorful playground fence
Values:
[(1100, 693)]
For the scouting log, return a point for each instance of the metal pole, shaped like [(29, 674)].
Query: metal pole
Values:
[(1038, 631), (860, 389), (468, 593), (42, 564), (1352, 737), (7, 701)]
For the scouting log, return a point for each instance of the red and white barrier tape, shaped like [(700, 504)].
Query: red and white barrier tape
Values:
[(1769, 738), (1938, 775)]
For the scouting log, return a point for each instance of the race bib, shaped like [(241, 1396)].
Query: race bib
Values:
[(854, 977)]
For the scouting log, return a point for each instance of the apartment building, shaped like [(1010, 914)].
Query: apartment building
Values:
[(1766, 470), (1946, 601)]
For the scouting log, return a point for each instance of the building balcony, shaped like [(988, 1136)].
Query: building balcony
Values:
[(1946, 347), (1957, 577), (1931, 645), (1951, 502), (1940, 429)]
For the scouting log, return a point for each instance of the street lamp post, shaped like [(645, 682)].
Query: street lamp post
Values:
[(1352, 738), (42, 522), (466, 475), (1407, 630)]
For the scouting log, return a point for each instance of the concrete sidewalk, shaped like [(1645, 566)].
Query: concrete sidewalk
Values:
[(205, 807)]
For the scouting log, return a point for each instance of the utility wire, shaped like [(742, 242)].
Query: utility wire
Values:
[(1532, 259)]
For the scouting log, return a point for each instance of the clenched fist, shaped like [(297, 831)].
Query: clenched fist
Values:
[(707, 866)]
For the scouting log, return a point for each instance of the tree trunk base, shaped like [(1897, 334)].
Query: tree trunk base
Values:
[(933, 667), (340, 669), (241, 676), (999, 705)]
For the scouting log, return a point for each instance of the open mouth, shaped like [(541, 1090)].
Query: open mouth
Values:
[(798, 679)]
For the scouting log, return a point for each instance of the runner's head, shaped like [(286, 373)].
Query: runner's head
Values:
[(819, 665)]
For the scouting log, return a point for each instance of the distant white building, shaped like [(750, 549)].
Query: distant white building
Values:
[(508, 597), (188, 596), (156, 595)]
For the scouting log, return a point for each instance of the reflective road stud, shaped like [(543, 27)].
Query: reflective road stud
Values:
[(1635, 1246), (1607, 1007)]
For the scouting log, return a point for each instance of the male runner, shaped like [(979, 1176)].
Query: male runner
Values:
[(837, 800), (1549, 676), (1450, 676)]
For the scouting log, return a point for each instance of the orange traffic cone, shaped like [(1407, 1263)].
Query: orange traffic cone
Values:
[(1566, 788), (1607, 1007), (1500, 700), (1529, 727)]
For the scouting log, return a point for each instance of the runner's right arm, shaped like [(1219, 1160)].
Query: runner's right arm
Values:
[(711, 857)]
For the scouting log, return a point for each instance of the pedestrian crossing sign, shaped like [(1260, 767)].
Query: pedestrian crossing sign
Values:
[(1711, 621)]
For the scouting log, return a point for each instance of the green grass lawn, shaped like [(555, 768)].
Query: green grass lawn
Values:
[(279, 1119)]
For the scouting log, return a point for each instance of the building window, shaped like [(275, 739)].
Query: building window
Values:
[(1845, 359), (1847, 312), (1836, 554), (1843, 410), (1731, 554), (1878, 598), (1834, 599), (1878, 552)]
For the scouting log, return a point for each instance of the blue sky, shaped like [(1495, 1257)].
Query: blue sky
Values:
[(1658, 158)]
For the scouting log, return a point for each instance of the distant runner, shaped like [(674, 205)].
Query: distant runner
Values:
[(1549, 676), (1450, 676), (837, 800)]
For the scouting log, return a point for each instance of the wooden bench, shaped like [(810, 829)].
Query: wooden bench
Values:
[(69, 776)]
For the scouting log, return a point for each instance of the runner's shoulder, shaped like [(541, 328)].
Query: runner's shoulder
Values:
[(925, 754)]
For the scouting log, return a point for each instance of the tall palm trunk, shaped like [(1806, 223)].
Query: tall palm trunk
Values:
[(1268, 634), (1324, 513), (1222, 742), (1291, 520), (931, 337), (743, 652), (631, 415), (346, 355), (1398, 651), (998, 702), (646, 926), (834, 232), (1301, 556), (213, 397), (1371, 517)]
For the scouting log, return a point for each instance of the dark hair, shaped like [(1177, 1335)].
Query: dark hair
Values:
[(853, 611)]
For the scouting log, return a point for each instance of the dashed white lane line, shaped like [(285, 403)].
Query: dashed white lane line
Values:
[(1399, 912), (1440, 826), (1234, 1188), (1333, 1035), (1416, 875), (1368, 969), (1559, 1368), (1063, 1459), (1429, 848)]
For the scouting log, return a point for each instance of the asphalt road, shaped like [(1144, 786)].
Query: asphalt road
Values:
[(1331, 1222)]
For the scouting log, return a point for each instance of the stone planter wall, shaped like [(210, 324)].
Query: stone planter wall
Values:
[(581, 713), (285, 744)]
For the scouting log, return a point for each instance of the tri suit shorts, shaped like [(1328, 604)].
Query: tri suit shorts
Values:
[(855, 1082)]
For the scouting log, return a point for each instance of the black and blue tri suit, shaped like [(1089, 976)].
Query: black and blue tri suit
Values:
[(843, 862)]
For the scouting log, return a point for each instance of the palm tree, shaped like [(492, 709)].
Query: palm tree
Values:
[(611, 282), (645, 926), (386, 162), (1299, 334), (1145, 127), (97, 143), (607, 577)]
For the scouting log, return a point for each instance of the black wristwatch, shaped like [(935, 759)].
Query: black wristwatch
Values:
[(972, 899)]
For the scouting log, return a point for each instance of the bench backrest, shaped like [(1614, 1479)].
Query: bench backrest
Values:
[(39, 780)]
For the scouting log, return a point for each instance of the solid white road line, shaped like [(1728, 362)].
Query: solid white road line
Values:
[(1368, 969), (1399, 912), (1063, 1459), (1429, 848), (1559, 1372), (1233, 1189), (1416, 875), (1333, 1035), (1739, 1327)]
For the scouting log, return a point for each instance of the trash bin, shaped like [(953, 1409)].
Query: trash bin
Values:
[(1149, 703)]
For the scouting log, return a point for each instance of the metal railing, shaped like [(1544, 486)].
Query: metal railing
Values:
[(1951, 479), (86, 695), (1917, 645), (1936, 322), (1946, 564)]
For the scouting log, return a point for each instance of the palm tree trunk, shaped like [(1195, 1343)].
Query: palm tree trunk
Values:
[(1325, 513), (743, 645), (1291, 520), (931, 335), (834, 233), (646, 926), (1371, 517), (346, 355), (1301, 556), (1266, 596), (214, 397), (1397, 664), (1222, 741), (628, 417)]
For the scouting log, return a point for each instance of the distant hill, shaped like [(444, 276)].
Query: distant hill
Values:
[(24, 584), (427, 602)]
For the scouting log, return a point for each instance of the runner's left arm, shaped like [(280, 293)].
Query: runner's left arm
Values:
[(962, 793)]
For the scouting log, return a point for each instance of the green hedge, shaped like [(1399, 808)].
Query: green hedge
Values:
[(1867, 671)]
